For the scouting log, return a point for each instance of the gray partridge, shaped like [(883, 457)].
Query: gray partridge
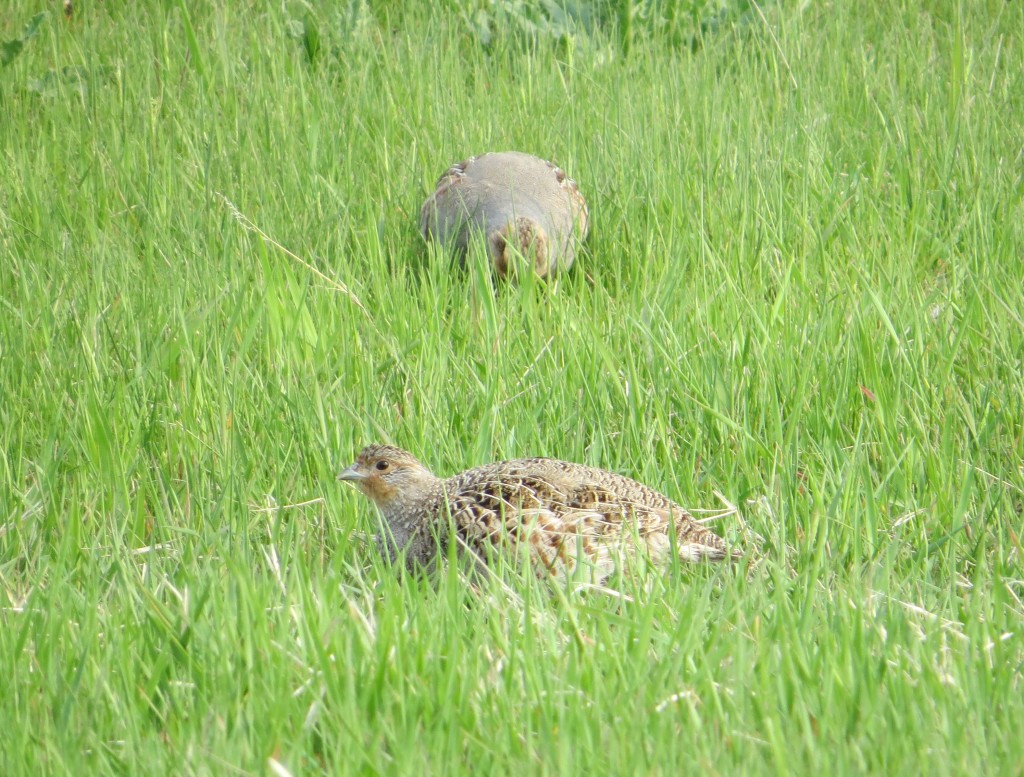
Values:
[(567, 520), (522, 204)]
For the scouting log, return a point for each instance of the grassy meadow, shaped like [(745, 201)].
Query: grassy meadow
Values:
[(802, 302)]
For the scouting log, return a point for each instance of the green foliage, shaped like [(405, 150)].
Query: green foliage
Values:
[(10, 49), (668, 22), (802, 296)]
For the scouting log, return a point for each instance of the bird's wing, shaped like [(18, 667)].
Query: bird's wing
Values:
[(656, 527), (562, 522)]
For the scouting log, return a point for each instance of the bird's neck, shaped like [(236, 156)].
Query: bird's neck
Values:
[(408, 512)]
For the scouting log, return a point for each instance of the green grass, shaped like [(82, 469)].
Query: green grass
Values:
[(804, 291)]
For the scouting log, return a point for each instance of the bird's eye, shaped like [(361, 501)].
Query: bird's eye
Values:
[(382, 465)]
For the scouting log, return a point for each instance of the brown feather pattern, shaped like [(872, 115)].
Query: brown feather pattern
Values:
[(563, 519)]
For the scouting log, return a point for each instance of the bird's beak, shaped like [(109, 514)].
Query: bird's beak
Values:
[(352, 474)]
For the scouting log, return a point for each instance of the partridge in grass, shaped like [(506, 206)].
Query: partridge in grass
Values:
[(567, 520), (523, 205)]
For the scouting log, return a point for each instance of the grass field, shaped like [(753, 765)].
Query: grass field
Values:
[(803, 296)]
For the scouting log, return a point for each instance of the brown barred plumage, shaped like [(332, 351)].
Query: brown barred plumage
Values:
[(565, 519)]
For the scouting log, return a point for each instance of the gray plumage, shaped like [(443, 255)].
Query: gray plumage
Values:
[(519, 202), (565, 519)]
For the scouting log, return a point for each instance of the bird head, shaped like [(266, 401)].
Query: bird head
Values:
[(389, 476), (521, 239)]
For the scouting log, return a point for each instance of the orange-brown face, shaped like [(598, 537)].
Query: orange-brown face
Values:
[(519, 240), (383, 472)]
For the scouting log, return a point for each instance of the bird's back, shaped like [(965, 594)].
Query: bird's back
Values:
[(564, 515), (489, 191)]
